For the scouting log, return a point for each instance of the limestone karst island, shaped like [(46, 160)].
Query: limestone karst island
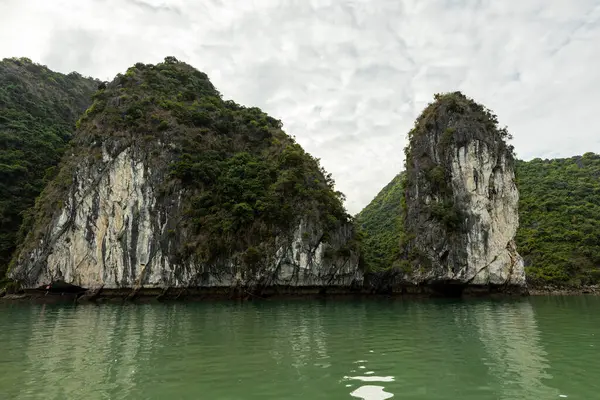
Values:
[(158, 241), (299, 200), (154, 186)]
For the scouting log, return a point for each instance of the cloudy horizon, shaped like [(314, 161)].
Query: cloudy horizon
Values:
[(347, 78)]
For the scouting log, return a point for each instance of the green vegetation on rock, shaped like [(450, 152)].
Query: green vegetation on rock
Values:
[(438, 214), (452, 120), (242, 181), (38, 110)]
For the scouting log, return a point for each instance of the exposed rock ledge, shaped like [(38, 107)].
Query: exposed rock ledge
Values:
[(374, 286)]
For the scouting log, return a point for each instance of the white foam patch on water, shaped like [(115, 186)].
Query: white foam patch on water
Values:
[(371, 392), (369, 372), (360, 361), (372, 378), (362, 367)]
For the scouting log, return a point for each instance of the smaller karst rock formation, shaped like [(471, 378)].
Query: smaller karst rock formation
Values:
[(167, 185), (461, 211)]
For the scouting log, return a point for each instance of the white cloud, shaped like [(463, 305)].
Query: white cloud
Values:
[(347, 78)]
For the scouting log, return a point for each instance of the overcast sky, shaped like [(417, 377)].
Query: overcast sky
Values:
[(347, 78)]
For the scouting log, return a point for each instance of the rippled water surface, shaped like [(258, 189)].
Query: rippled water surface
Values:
[(532, 348)]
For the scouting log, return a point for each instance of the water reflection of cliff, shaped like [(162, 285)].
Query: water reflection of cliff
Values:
[(310, 341), (511, 339), (155, 351), (279, 350), (91, 351)]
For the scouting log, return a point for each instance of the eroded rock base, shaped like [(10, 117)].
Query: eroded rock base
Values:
[(157, 295)]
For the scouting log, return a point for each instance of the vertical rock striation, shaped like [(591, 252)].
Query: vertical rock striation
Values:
[(461, 212)]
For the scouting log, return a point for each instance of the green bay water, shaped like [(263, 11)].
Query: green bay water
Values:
[(528, 348)]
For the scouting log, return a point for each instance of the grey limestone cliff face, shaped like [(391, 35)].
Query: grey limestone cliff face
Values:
[(113, 230), (461, 198)]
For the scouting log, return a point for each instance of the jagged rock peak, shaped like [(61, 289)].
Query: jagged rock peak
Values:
[(165, 184), (461, 211)]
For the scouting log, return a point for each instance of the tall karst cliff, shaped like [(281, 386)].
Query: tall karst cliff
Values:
[(451, 217), (167, 185), (38, 110), (461, 212), (559, 222)]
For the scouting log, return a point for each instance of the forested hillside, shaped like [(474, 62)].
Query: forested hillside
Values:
[(381, 222), (559, 211), (38, 110), (559, 233)]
